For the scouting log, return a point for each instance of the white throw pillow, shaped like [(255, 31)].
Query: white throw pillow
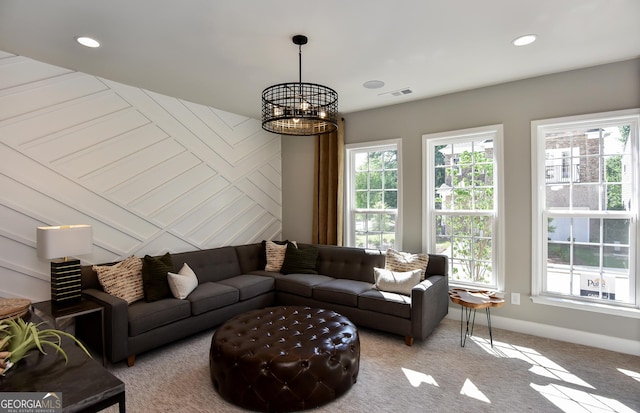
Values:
[(396, 282), (182, 283)]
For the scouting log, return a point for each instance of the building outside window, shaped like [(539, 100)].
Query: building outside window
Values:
[(373, 195), (585, 210), (462, 204)]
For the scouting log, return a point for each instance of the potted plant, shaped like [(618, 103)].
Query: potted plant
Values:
[(18, 337)]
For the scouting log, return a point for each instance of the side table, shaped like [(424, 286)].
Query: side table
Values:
[(469, 301), (47, 309)]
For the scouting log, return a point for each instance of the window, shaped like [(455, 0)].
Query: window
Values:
[(372, 195), (585, 211), (463, 197)]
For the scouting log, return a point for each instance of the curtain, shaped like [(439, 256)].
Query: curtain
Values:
[(328, 187)]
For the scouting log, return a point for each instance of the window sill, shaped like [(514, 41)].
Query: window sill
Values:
[(585, 306)]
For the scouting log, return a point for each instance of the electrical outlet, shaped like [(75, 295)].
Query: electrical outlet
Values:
[(515, 298)]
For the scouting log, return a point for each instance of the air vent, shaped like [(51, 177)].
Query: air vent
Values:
[(399, 92)]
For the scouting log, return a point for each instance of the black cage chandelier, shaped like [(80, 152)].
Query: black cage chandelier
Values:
[(298, 108)]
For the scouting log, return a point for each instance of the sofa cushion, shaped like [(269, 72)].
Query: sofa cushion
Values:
[(395, 281), (123, 279), (300, 284), (340, 291), (250, 285), (213, 264), (145, 316), (300, 260), (209, 296), (183, 282), (385, 302), (348, 263), (154, 277)]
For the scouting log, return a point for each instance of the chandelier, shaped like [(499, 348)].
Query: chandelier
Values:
[(298, 108)]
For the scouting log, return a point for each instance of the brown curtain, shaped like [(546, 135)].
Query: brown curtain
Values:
[(327, 193)]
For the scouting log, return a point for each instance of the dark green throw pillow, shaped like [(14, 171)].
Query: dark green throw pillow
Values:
[(154, 277), (300, 261)]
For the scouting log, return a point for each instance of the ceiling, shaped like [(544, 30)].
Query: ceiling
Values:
[(223, 53)]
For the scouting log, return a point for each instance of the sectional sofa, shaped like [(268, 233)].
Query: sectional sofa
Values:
[(232, 280)]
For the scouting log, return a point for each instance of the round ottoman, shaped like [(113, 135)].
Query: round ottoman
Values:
[(281, 359)]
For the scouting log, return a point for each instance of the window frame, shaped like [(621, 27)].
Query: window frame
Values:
[(540, 213), (429, 143), (349, 191)]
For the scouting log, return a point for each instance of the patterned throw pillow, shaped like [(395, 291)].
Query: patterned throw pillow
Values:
[(123, 279), (396, 282), (405, 261), (275, 255)]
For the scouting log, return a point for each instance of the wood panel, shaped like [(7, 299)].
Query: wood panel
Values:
[(150, 172)]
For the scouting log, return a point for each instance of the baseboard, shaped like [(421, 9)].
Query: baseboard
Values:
[(620, 345)]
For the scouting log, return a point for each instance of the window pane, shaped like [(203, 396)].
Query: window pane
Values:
[(361, 222), (483, 198), (375, 180), (616, 231), (391, 180), (391, 160), (375, 161), (390, 199), (361, 181), (373, 222), (616, 257), (389, 223), (361, 200), (361, 161), (375, 200)]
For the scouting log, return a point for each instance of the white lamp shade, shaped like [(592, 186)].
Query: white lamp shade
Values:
[(64, 241)]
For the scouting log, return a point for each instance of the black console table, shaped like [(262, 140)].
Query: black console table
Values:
[(86, 386)]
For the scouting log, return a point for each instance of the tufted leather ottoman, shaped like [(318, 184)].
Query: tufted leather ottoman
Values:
[(282, 359)]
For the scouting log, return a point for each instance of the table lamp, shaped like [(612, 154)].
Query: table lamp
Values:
[(58, 244)]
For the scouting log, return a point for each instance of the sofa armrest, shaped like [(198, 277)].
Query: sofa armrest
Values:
[(116, 323), (429, 305)]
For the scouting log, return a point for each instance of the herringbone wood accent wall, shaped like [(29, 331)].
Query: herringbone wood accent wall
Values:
[(151, 173)]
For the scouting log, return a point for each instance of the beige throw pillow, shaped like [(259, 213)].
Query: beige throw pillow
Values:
[(182, 283), (275, 255), (396, 282), (406, 261), (123, 279)]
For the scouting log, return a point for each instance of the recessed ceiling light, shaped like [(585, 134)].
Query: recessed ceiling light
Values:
[(373, 84), (524, 40), (87, 41)]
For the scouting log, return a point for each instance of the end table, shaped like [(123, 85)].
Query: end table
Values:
[(474, 300), (49, 310)]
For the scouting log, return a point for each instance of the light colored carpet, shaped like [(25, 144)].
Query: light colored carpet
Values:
[(521, 373)]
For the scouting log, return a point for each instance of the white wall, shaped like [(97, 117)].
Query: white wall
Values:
[(151, 173), (515, 104)]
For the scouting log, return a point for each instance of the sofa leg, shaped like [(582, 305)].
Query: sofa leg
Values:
[(131, 360), (408, 340)]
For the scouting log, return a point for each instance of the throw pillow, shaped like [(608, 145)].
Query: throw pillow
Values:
[(123, 279), (182, 283), (406, 261), (275, 255), (154, 277), (299, 261), (396, 282), (263, 252)]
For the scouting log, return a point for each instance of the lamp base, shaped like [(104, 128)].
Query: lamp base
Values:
[(66, 282)]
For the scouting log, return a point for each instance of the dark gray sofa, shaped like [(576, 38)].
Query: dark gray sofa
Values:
[(232, 280)]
